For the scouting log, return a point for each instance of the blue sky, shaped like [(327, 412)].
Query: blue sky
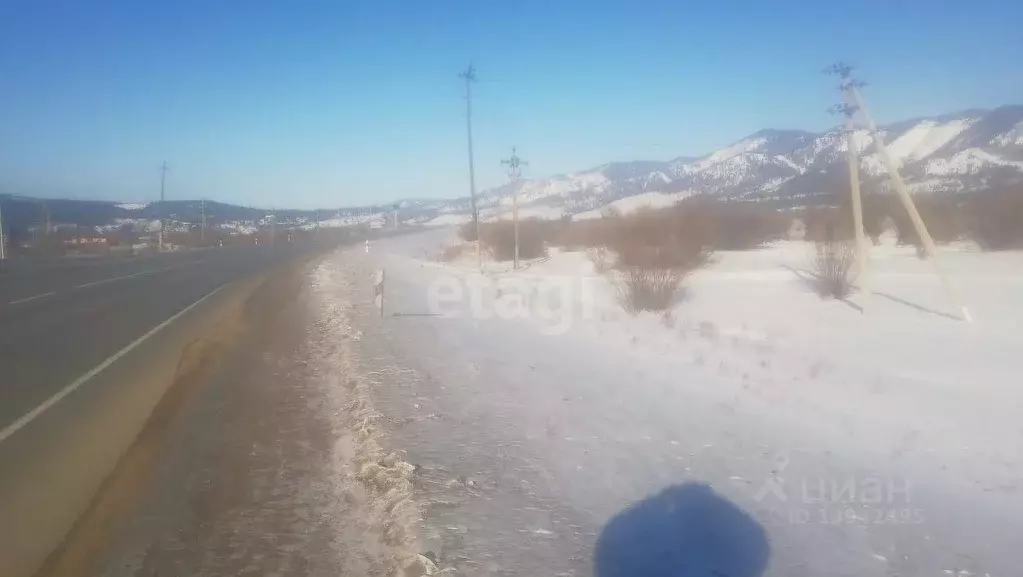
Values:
[(337, 103)]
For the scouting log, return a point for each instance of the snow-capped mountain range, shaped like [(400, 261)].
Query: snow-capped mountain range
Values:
[(959, 152), (968, 150)]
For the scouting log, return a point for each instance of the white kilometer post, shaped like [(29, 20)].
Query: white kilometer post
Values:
[(3, 250), (378, 291)]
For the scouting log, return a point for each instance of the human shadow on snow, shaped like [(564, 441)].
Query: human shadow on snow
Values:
[(685, 530)]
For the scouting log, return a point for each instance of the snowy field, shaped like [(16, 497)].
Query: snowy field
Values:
[(898, 366), (874, 436)]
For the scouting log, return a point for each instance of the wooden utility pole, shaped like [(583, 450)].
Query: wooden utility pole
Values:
[(515, 165), (850, 87), (848, 110), (469, 75), (857, 207), (852, 160), (163, 179)]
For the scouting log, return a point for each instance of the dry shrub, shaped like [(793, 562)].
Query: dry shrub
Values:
[(646, 289), (946, 219), (876, 210), (659, 240), (655, 251), (468, 231), (601, 257), (711, 224), (994, 219), (499, 236), (833, 264), (828, 223), (734, 226), (596, 232), (997, 222), (453, 252)]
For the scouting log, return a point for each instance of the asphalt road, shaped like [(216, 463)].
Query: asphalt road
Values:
[(60, 320)]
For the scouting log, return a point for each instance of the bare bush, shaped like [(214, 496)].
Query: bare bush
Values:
[(499, 236), (468, 231), (876, 210), (833, 264), (997, 222), (453, 252), (700, 222), (828, 223), (658, 240), (733, 226), (946, 219), (646, 289), (601, 257), (596, 232)]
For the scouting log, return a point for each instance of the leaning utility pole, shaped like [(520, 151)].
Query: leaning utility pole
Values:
[(163, 178), (515, 165), (850, 86), (202, 222), (469, 75)]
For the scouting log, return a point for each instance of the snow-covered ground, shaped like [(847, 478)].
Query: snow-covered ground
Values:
[(449, 219), (240, 227), (874, 436), (133, 205), (634, 203), (539, 210)]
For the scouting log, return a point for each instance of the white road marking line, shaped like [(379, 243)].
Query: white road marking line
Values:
[(31, 298), (145, 272), (106, 280), (56, 398)]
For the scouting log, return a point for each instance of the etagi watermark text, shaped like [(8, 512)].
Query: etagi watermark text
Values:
[(555, 301)]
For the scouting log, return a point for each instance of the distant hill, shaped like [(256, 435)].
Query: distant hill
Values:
[(22, 213)]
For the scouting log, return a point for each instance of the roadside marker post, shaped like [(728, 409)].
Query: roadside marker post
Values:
[(378, 291)]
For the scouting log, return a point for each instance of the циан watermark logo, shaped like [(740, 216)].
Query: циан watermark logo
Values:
[(839, 500)]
